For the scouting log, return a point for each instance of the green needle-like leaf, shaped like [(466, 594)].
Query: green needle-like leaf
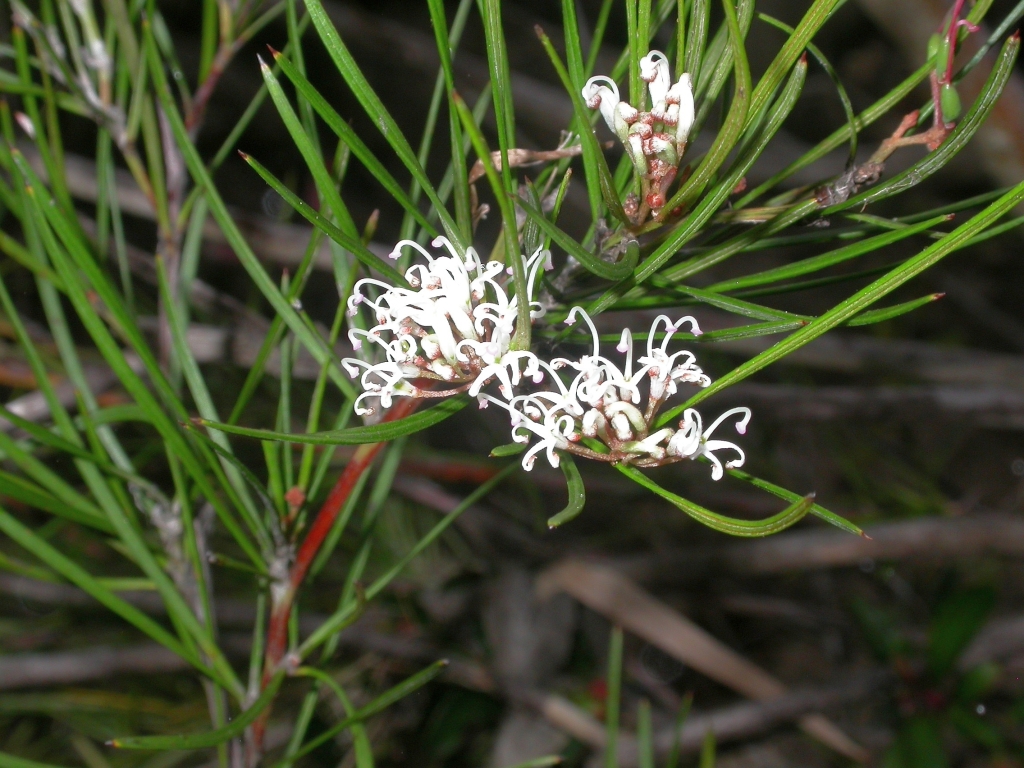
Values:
[(382, 702), (732, 128), (592, 263), (352, 244), (733, 526), (47, 553), (509, 230), (577, 493), (888, 313), (352, 141), (587, 137), (862, 299), (816, 509), (7, 760), (207, 738), (376, 433), (380, 116), (825, 260), (312, 341)]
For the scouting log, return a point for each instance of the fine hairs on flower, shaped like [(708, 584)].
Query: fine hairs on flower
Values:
[(451, 332)]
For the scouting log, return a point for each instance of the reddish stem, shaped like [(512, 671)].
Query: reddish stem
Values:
[(277, 627)]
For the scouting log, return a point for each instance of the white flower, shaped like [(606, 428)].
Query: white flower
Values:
[(601, 403), (533, 417), (662, 367), (655, 72), (454, 324), (680, 95), (618, 114), (599, 378), (654, 140), (691, 443)]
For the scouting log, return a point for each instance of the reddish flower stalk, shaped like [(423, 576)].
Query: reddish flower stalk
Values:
[(283, 597)]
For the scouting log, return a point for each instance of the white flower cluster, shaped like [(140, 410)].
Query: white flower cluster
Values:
[(442, 328), (454, 327), (655, 140), (602, 402)]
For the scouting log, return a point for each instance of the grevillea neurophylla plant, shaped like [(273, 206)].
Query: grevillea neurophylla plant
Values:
[(451, 332)]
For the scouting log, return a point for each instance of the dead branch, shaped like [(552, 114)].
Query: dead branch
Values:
[(33, 670)]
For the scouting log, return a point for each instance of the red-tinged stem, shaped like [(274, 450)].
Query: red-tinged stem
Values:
[(951, 35), (284, 596)]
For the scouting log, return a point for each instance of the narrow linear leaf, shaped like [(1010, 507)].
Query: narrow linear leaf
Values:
[(577, 76), (577, 493), (509, 229), (16, 487), (376, 433), (345, 615), (316, 345), (382, 702), (501, 85), (844, 97), (862, 299), (325, 225), (592, 263), (377, 112), (730, 525), (791, 50), (207, 738), (7, 760), (825, 260), (816, 509), (352, 141), (78, 576), (592, 148), (734, 305), (732, 126), (888, 313), (511, 449)]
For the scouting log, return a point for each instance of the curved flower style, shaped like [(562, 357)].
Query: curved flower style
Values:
[(453, 325), (690, 442), (602, 401), (655, 140)]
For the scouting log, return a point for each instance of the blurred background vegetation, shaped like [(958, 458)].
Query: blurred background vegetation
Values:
[(912, 642)]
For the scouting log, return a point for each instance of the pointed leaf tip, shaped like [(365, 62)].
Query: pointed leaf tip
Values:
[(273, 51)]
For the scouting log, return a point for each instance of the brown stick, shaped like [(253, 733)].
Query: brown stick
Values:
[(727, 724), (624, 603)]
